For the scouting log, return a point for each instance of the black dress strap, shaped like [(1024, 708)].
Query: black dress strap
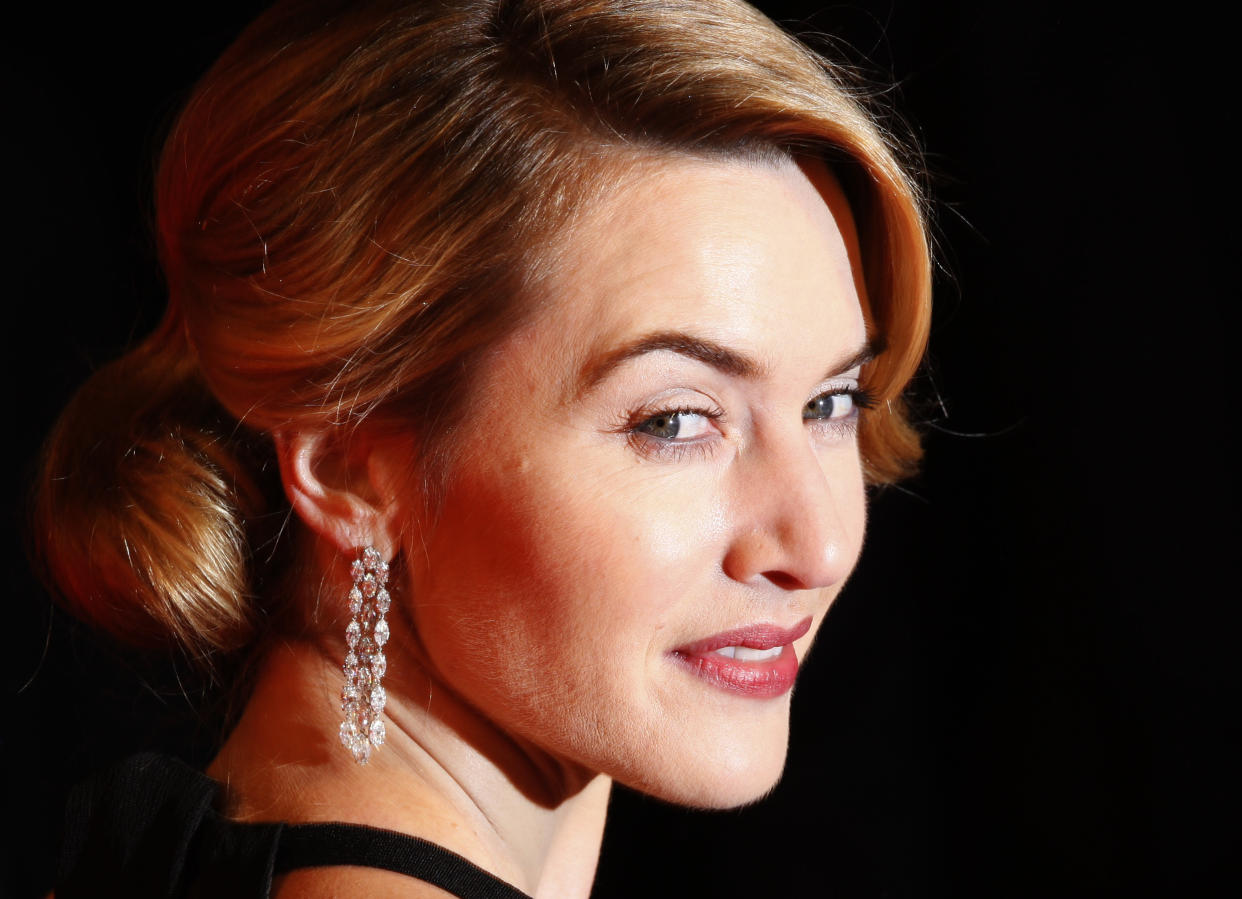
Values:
[(150, 827), (322, 845)]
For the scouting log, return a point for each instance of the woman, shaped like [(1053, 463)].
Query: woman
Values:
[(523, 369)]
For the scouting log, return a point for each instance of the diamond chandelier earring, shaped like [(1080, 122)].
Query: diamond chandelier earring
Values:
[(362, 698)]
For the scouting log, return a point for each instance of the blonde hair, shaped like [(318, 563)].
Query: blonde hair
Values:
[(354, 202)]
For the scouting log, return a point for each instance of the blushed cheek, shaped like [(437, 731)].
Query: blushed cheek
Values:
[(851, 499), (665, 536)]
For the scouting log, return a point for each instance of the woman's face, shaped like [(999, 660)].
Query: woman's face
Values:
[(657, 491)]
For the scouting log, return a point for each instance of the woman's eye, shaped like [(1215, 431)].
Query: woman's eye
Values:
[(676, 426), (829, 406)]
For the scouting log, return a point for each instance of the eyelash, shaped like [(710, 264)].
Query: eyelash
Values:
[(675, 450)]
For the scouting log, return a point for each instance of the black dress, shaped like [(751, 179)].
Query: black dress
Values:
[(149, 827)]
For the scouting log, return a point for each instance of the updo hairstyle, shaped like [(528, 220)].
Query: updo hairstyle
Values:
[(357, 199)]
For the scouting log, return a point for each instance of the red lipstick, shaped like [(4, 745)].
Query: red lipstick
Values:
[(761, 678)]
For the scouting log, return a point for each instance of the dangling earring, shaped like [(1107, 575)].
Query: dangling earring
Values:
[(362, 698)]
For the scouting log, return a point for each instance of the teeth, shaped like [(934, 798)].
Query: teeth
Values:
[(746, 654)]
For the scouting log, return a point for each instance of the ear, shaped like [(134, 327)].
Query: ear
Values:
[(348, 487)]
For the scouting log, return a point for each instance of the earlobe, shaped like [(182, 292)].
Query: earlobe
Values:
[(342, 489)]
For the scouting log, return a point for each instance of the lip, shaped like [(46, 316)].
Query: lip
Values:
[(762, 679)]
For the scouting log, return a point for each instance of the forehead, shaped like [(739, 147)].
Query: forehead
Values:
[(748, 254)]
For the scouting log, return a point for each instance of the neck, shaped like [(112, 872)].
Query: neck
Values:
[(444, 774)]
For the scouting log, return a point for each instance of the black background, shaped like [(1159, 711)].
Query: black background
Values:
[(1030, 686)]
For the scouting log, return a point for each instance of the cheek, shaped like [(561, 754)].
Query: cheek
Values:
[(550, 584), (850, 497)]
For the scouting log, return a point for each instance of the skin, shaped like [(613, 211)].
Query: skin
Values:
[(532, 659)]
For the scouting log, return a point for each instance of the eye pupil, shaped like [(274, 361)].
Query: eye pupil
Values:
[(663, 426), (820, 407), (830, 406)]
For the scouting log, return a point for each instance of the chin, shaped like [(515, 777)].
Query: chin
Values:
[(734, 795), (740, 775)]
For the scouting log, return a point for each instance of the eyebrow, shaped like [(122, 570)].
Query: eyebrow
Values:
[(718, 356)]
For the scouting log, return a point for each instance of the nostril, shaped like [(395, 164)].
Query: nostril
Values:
[(784, 580)]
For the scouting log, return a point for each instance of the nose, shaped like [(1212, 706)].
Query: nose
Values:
[(799, 514)]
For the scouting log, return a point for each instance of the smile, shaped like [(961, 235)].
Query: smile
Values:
[(757, 661), (746, 654)]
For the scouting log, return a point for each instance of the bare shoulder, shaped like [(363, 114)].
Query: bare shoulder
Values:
[(329, 883)]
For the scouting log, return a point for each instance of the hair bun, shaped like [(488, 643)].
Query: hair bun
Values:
[(141, 505)]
